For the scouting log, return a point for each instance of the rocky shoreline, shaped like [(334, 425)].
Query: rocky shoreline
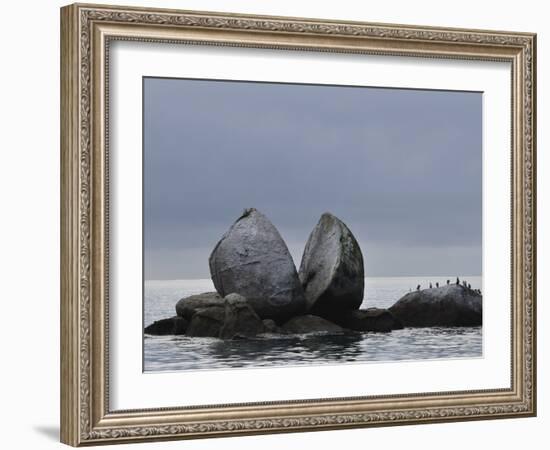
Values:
[(259, 292)]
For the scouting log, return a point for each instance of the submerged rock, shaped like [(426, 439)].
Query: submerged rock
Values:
[(188, 306), (252, 259), (370, 319), (332, 272), (310, 324), (449, 305), (171, 326)]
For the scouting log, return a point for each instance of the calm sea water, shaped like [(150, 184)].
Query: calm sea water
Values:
[(170, 353)]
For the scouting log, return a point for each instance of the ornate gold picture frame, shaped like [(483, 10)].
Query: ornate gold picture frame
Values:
[(87, 32)]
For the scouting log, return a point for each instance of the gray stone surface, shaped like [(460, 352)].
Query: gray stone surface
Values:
[(207, 322), (370, 319), (230, 319), (171, 326), (449, 305), (310, 324), (332, 272), (270, 326), (251, 259), (188, 306), (240, 319)]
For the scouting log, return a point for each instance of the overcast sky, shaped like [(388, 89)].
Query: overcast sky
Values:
[(402, 168)]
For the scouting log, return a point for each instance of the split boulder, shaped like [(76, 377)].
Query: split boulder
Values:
[(332, 272), (252, 260)]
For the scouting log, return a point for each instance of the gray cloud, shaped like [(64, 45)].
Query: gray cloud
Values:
[(401, 167)]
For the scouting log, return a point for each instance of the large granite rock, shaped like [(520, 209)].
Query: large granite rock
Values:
[(332, 272), (188, 306), (449, 305), (310, 324), (171, 326), (251, 259), (233, 318), (370, 319)]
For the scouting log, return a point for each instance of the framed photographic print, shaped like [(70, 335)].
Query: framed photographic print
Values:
[(275, 224)]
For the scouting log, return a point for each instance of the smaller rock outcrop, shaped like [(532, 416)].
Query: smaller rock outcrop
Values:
[(207, 322), (188, 306), (230, 319), (451, 305), (240, 319), (172, 326), (271, 326)]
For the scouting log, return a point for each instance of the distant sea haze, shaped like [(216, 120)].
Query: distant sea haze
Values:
[(162, 353)]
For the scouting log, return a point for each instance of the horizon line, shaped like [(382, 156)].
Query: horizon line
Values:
[(381, 276)]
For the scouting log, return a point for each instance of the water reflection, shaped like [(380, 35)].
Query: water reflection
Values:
[(181, 353), (333, 348)]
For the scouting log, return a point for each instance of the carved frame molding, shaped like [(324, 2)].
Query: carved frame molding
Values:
[(86, 31)]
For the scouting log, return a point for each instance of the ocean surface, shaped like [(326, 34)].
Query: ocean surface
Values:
[(172, 353)]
